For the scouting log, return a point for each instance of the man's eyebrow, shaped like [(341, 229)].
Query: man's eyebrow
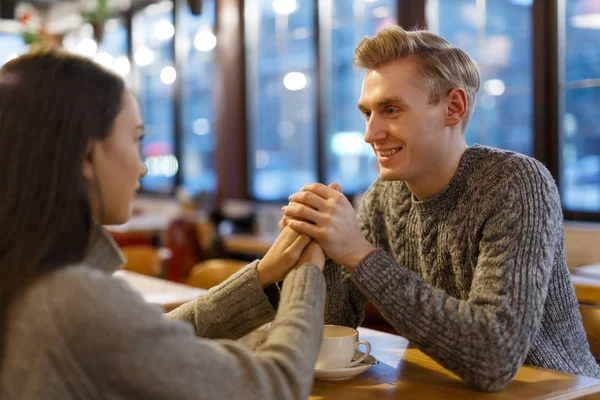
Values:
[(386, 101), (391, 100)]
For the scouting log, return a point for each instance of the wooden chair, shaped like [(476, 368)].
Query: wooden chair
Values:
[(591, 323), (124, 239), (182, 240), (212, 272), (147, 260)]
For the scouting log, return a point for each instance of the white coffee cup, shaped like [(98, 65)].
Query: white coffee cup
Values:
[(338, 348)]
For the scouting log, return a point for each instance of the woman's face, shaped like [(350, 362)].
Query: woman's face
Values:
[(113, 167)]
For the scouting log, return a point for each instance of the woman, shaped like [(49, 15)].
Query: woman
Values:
[(69, 161)]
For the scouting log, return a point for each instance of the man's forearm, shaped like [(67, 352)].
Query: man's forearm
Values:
[(484, 344)]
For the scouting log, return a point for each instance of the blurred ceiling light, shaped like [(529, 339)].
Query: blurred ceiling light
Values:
[(284, 7), (494, 87), (164, 30), (585, 21), (122, 66), (111, 25), (370, 1), (381, 12), (201, 126), (168, 75), (294, 81), (143, 56), (286, 129), (104, 59), (86, 30), (205, 40), (87, 47)]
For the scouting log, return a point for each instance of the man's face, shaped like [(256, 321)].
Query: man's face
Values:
[(404, 129)]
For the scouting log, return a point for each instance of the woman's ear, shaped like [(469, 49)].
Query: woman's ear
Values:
[(88, 162)]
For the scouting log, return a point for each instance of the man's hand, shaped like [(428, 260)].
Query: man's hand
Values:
[(281, 257), (327, 216), (284, 220)]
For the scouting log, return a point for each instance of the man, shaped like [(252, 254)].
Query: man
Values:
[(460, 248)]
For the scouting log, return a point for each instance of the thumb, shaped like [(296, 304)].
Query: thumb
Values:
[(336, 186)]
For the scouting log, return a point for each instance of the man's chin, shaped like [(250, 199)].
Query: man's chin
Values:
[(388, 175)]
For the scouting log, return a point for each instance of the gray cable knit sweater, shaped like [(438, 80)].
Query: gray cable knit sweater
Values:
[(79, 333), (476, 276)]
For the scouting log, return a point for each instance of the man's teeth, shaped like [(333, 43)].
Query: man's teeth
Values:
[(387, 153)]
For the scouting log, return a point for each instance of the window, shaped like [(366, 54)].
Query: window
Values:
[(281, 55), (348, 159), (11, 46), (580, 104), (196, 69), (111, 52), (154, 79), (497, 34)]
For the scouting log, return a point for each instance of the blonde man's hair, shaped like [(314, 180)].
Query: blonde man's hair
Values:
[(443, 66)]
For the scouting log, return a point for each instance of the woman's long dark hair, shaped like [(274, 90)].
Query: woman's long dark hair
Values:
[(51, 104)]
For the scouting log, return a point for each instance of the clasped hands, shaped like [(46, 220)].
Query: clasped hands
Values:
[(318, 220)]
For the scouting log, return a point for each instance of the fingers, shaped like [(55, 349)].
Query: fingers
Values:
[(300, 243), (310, 199), (303, 212), (283, 222), (294, 251), (319, 189), (304, 227), (286, 238)]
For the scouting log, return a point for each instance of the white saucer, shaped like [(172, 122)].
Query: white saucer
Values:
[(341, 373)]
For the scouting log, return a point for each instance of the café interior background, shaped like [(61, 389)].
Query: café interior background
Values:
[(252, 99)]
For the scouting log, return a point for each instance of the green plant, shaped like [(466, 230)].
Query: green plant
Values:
[(97, 17), (100, 14)]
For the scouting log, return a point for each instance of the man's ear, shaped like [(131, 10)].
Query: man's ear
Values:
[(456, 108)]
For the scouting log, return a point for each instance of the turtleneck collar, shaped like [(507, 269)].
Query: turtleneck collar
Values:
[(455, 187), (103, 253)]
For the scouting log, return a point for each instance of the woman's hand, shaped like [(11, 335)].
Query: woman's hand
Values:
[(281, 257), (313, 254)]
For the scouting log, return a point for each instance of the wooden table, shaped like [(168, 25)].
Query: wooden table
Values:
[(166, 294), (407, 373), (248, 244), (587, 289)]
